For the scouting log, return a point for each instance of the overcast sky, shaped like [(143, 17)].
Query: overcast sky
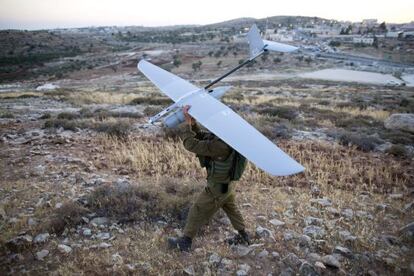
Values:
[(40, 14)]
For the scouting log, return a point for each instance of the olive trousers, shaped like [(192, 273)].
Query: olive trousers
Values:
[(208, 202)]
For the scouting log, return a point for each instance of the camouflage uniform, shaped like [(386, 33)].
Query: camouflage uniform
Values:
[(219, 192)]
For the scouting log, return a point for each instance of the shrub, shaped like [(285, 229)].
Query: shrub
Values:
[(68, 116), (362, 142), (151, 101), (284, 112), (114, 129), (397, 150), (150, 110), (6, 115), (45, 116), (64, 123)]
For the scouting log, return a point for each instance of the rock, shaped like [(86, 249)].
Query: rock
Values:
[(214, 259), (320, 265), (331, 261), (409, 228), (408, 206), (313, 221), (306, 269), (104, 245), (275, 255), (314, 231), (42, 254), (276, 222), (86, 232), (292, 260), (364, 214), (412, 267), (287, 272), (242, 250), (289, 235), (263, 254), (47, 87), (333, 211), (400, 121), (313, 257), (348, 213), (261, 218), (323, 202), (19, 242), (390, 240), (264, 233), (103, 236), (305, 241), (246, 205), (243, 270), (64, 249), (58, 205), (225, 221), (117, 259), (346, 236), (396, 196), (41, 238), (100, 221), (31, 222), (189, 270), (343, 251)]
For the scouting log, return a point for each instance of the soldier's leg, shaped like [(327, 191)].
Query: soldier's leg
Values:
[(233, 212), (200, 213)]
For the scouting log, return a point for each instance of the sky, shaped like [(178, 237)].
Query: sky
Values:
[(44, 14)]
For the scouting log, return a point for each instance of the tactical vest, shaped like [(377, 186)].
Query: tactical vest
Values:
[(224, 170)]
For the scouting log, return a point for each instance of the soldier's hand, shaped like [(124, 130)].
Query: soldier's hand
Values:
[(190, 120)]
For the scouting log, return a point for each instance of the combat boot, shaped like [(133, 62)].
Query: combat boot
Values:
[(182, 243), (241, 238)]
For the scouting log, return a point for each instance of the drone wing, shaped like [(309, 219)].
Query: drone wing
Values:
[(240, 135), (170, 84)]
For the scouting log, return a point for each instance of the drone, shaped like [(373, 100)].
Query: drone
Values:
[(217, 117)]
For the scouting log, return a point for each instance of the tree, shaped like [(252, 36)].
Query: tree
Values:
[(383, 27), (219, 63), (196, 66)]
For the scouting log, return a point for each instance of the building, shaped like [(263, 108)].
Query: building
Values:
[(363, 40)]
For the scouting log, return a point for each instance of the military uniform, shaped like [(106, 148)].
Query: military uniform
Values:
[(217, 157)]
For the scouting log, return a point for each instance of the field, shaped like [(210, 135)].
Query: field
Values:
[(88, 187)]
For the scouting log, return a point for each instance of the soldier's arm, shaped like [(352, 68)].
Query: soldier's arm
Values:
[(211, 148)]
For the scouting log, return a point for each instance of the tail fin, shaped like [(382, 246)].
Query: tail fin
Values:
[(256, 44)]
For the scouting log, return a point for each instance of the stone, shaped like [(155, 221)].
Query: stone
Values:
[(306, 269), (264, 233), (364, 214), (331, 261), (246, 205), (313, 257), (276, 222), (333, 211), (313, 221), (58, 205), (41, 238), (346, 236), (189, 270), (314, 231), (305, 241), (292, 260), (408, 206), (243, 270), (275, 255), (348, 213), (64, 249), (103, 236), (42, 254), (117, 259), (31, 222), (343, 251), (3, 214), (409, 228), (412, 267), (287, 272), (390, 240), (86, 232), (263, 254), (225, 221), (214, 259), (323, 202), (320, 265), (396, 196), (315, 191), (400, 121), (100, 221), (242, 250)]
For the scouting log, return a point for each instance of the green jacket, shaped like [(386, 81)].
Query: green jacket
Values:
[(212, 152)]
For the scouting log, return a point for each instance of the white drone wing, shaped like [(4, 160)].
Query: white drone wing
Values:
[(172, 85), (240, 135)]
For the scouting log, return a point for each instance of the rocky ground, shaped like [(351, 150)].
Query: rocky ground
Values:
[(87, 187)]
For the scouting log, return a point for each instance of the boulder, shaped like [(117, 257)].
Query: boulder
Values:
[(401, 121)]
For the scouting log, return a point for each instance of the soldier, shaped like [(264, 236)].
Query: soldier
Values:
[(220, 161)]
